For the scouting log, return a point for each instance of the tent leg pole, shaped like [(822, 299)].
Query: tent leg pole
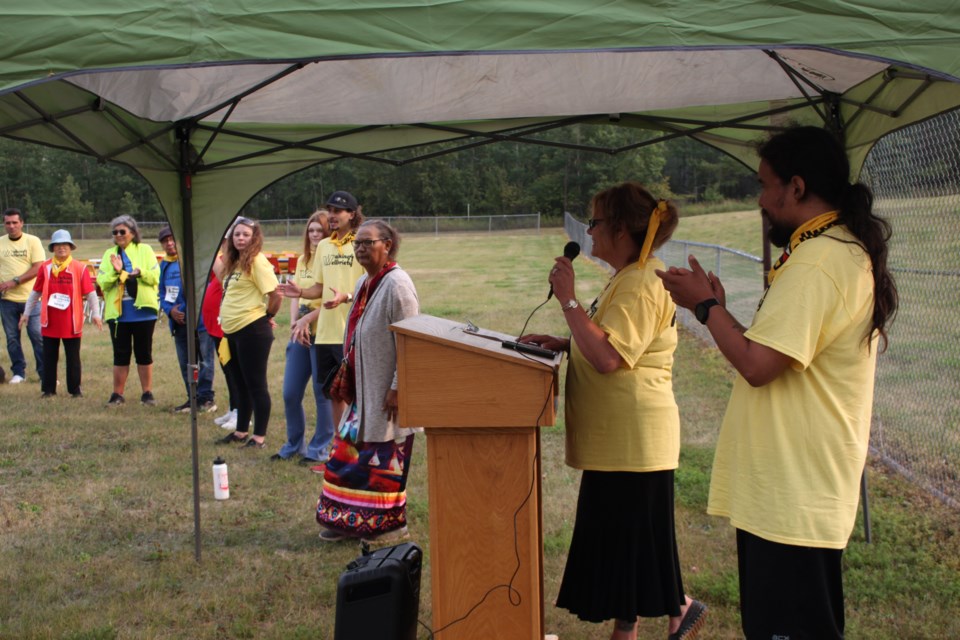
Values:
[(188, 277)]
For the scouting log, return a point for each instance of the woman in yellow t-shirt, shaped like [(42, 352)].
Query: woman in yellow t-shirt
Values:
[(622, 424), (250, 301), (301, 364)]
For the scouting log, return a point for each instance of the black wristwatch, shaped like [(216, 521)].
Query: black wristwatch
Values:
[(702, 310)]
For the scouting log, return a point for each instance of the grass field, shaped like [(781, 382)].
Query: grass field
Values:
[(96, 511)]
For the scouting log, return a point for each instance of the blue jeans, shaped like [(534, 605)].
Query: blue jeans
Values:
[(300, 368), (10, 313), (206, 354)]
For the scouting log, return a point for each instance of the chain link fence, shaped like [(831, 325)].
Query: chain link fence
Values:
[(293, 227), (915, 177)]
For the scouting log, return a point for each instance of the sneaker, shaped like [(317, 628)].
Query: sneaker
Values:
[(17, 379), (207, 406), (229, 415), (231, 425), (277, 457), (329, 535), (115, 400), (319, 468), (306, 462), (48, 394), (148, 399), (183, 408), (78, 394)]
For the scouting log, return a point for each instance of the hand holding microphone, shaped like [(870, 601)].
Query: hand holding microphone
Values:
[(561, 275)]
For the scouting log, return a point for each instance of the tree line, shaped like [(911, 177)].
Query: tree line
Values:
[(52, 185)]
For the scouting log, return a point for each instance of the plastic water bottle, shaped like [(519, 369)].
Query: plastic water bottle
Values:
[(221, 484)]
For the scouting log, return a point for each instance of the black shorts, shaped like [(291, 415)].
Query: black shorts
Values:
[(140, 334), (328, 358), (789, 592)]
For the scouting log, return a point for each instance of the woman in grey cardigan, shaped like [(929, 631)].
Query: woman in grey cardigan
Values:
[(364, 484)]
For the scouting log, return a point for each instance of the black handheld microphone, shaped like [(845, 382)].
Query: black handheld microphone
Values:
[(570, 251)]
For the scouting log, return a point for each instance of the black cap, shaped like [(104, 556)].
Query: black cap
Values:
[(165, 233), (342, 200)]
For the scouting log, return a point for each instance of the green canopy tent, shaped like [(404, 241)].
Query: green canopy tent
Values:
[(212, 100)]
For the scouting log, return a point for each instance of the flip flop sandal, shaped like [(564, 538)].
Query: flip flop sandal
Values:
[(692, 622)]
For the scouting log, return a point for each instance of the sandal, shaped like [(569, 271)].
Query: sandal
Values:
[(691, 623), (231, 438), (253, 444)]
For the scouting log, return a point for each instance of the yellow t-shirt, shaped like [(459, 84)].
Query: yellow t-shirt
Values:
[(16, 256), (304, 279), (338, 268), (790, 453), (627, 420), (243, 301)]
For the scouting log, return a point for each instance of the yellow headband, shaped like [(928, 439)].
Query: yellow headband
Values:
[(655, 217)]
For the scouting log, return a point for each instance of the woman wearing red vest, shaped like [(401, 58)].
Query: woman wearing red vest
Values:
[(61, 285)]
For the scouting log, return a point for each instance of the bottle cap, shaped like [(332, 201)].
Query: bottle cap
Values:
[(219, 460)]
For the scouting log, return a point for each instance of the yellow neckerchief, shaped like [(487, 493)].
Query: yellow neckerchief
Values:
[(57, 267), (809, 229), (338, 243), (655, 217), (172, 258)]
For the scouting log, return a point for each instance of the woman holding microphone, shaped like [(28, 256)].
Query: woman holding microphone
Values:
[(622, 424)]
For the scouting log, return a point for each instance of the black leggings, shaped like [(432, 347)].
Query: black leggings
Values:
[(140, 333), (51, 356), (250, 347)]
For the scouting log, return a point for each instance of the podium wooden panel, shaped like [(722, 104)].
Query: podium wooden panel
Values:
[(481, 406)]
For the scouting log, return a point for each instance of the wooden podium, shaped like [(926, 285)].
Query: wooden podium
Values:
[(481, 406)]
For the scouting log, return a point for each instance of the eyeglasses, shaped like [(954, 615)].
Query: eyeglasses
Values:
[(119, 232), (366, 243), (593, 223)]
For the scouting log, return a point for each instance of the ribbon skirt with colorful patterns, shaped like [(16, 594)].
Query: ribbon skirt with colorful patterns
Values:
[(364, 485)]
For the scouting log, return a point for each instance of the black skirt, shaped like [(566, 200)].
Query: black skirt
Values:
[(623, 559)]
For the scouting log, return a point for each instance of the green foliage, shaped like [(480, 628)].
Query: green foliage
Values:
[(34, 178), (53, 186), (129, 205), (72, 206)]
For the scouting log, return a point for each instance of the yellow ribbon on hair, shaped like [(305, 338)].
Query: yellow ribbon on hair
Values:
[(655, 217)]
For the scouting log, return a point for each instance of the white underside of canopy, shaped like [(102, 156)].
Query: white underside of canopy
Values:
[(443, 88)]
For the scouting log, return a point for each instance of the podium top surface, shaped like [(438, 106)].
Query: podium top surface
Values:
[(452, 333)]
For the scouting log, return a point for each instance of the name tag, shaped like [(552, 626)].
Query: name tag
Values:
[(59, 301), (172, 293)]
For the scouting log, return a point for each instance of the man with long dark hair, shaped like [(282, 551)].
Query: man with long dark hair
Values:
[(794, 439)]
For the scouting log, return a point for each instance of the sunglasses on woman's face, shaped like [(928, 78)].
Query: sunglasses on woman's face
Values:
[(119, 232)]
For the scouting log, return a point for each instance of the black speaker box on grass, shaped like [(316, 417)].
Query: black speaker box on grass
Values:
[(378, 596)]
